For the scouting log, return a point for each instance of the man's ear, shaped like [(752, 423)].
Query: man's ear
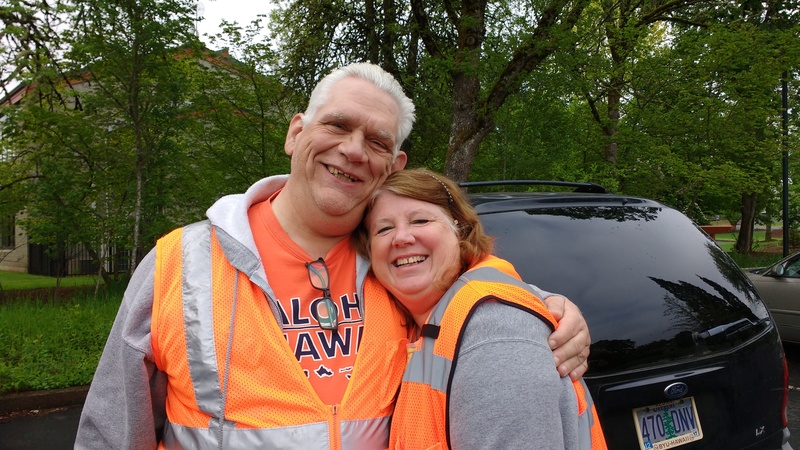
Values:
[(295, 127), (399, 162)]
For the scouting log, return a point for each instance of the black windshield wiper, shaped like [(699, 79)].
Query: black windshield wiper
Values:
[(728, 329)]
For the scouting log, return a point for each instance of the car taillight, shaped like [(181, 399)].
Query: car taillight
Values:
[(785, 391)]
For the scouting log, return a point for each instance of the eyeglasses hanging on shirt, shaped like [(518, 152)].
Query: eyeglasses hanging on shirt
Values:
[(326, 312)]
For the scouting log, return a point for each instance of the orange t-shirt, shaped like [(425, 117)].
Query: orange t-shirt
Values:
[(327, 358)]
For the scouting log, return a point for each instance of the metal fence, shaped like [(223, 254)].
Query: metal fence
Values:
[(76, 261)]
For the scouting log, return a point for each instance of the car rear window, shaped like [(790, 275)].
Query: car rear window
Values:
[(651, 285)]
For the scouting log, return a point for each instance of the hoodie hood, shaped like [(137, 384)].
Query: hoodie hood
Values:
[(229, 213)]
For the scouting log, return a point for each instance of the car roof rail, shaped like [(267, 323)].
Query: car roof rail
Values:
[(590, 188)]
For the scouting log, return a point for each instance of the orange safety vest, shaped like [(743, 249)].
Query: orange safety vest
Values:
[(421, 414), (233, 381)]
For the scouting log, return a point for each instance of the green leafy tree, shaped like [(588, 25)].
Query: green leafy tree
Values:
[(476, 54), (138, 55), (488, 50), (616, 35), (241, 112), (30, 41), (711, 106), (99, 127)]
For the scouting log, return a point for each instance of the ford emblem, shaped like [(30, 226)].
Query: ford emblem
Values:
[(676, 390)]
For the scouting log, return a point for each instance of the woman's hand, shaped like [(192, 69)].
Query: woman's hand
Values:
[(570, 342)]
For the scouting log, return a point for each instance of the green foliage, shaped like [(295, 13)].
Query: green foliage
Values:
[(794, 215), (53, 345), (139, 58), (245, 111), (12, 194), (10, 281), (701, 128), (536, 138)]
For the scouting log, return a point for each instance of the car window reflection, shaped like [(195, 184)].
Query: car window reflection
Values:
[(649, 268)]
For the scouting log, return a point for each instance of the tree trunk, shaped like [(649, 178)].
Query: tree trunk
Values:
[(610, 129), (371, 31), (744, 243), (468, 125), (136, 119), (100, 260), (465, 137), (465, 133), (473, 117), (137, 218)]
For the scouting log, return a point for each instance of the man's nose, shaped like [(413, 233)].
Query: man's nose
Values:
[(354, 147)]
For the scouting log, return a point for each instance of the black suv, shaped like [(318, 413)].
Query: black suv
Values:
[(684, 352)]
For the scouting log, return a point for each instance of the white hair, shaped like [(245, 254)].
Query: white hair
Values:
[(382, 79)]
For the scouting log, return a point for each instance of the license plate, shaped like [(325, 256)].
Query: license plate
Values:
[(667, 425)]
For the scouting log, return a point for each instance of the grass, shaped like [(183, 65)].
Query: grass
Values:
[(727, 240), (50, 344), (756, 259), (764, 252), (10, 281)]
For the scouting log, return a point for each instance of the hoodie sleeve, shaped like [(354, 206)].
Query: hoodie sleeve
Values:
[(125, 406)]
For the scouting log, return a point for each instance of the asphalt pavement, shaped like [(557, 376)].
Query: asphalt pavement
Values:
[(50, 429), (54, 429)]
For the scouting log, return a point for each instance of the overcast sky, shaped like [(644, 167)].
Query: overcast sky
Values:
[(241, 11)]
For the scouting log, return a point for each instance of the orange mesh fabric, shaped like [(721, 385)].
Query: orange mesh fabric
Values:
[(581, 394), (419, 420), (598, 437)]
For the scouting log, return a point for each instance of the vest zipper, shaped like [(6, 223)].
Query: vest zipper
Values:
[(335, 428)]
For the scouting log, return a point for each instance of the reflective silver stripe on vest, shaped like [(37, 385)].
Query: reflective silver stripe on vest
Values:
[(487, 274), (364, 434), (198, 317), (425, 367), (310, 436)]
